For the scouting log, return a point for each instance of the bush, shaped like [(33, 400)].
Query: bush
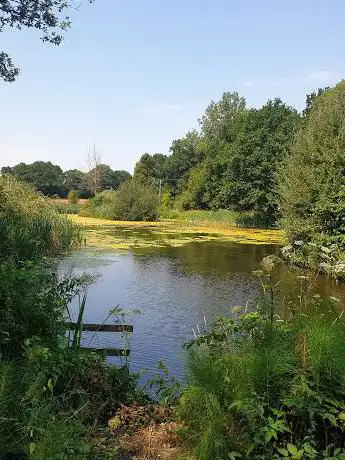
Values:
[(30, 226), (33, 303), (54, 396), (73, 197), (311, 182), (131, 201), (264, 388), (136, 202)]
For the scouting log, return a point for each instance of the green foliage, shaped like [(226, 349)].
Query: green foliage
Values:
[(231, 163), (74, 179), (166, 389), (132, 201), (30, 226), (263, 139), (54, 395), (43, 175), (46, 16), (33, 303), (73, 197), (194, 196), (311, 181), (264, 387), (67, 208), (150, 169), (102, 177)]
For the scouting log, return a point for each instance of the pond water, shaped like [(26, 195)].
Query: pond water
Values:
[(176, 290)]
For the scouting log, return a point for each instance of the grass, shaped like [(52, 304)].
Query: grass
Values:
[(265, 387), (30, 227), (121, 235)]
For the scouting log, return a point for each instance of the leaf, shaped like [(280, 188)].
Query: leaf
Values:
[(341, 416), (50, 385), (292, 449), (309, 449), (283, 451)]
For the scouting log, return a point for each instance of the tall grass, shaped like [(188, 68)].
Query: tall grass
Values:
[(30, 227), (264, 388)]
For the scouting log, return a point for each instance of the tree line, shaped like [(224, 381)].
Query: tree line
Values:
[(51, 180), (232, 160)]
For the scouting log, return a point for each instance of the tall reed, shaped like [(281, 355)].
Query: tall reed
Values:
[(30, 226)]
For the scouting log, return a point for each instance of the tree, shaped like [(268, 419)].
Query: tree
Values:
[(76, 180), (312, 179), (120, 176), (195, 196), (185, 154), (219, 116), (46, 15), (107, 179), (263, 139), (135, 201), (45, 176), (94, 159), (310, 99), (150, 169)]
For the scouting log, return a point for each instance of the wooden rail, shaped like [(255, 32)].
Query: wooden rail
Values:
[(102, 327), (92, 327)]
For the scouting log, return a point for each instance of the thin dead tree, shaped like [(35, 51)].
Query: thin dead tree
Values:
[(94, 159)]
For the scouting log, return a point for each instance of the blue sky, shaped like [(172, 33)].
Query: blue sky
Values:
[(133, 75)]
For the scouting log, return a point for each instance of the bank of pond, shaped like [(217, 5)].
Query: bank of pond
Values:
[(253, 350)]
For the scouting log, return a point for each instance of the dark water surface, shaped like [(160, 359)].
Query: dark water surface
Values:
[(174, 289)]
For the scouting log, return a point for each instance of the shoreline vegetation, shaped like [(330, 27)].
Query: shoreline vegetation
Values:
[(262, 385)]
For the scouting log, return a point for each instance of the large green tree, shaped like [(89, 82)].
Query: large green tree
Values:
[(48, 16), (217, 122), (263, 139), (76, 180), (312, 180), (150, 169), (45, 176)]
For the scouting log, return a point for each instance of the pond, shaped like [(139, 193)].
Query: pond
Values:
[(176, 287)]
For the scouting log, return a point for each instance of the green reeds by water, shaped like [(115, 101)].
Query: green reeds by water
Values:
[(30, 226)]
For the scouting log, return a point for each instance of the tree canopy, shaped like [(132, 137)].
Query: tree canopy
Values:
[(312, 180), (51, 180), (231, 162)]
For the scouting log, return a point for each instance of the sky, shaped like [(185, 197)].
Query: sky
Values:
[(133, 75)]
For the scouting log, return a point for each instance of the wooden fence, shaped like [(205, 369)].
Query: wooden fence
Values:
[(91, 327)]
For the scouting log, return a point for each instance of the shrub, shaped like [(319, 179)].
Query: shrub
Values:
[(33, 303), (131, 201), (73, 197), (135, 201), (264, 388), (53, 397), (30, 226)]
